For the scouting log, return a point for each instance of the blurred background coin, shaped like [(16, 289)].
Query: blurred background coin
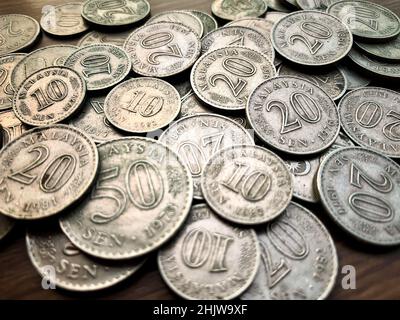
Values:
[(236, 9)]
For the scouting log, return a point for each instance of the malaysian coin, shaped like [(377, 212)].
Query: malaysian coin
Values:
[(355, 79), (100, 65), (6, 225), (366, 19), (236, 9), (10, 127), (115, 13), (208, 22), (45, 170), (209, 258), (49, 249), (389, 51), (246, 184), (293, 115), (94, 37), (93, 122), (331, 80), (17, 32), (311, 38), (41, 58), (142, 197), (370, 117), (238, 36), (342, 141), (360, 190), (320, 5), (48, 96), (63, 20), (142, 105), (277, 5), (261, 25), (196, 138), (186, 18), (7, 65), (162, 49), (298, 259), (224, 78), (274, 17)]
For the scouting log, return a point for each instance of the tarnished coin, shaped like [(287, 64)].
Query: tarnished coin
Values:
[(45, 170), (142, 105), (101, 65), (224, 78), (366, 19), (7, 65), (360, 190), (233, 36), (236, 9), (48, 96), (196, 138), (6, 225), (10, 127), (41, 58), (209, 258), (94, 37), (246, 184), (298, 259), (115, 13), (93, 122), (311, 38), (63, 20), (389, 51), (17, 32), (370, 117), (142, 197), (48, 247), (331, 80), (186, 18), (162, 49), (320, 5), (374, 66), (208, 22), (355, 79)]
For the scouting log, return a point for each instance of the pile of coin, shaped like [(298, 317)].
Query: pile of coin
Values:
[(172, 134)]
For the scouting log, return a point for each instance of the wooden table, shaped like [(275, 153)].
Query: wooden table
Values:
[(378, 269)]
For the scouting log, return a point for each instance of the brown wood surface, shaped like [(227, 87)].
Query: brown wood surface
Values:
[(378, 269)]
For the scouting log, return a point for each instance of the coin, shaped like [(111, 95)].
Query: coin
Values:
[(298, 259), (208, 22), (63, 20), (6, 225), (261, 25), (45, 170), (196, 138), (246, 184), (274, 17), (224, 78), (186, 18), (311, 38), (293, 115), (7, 64), (48, 96), (238, 36), (320, 5), (142, 197), (389, 51), (209, 258), (92, 121), (355, 79), (10, 127), (142, 105), (359, 188), (39, 59), (49, 248), (331, 80), (100, 65), (366, 19), (236, 9), (115, 38), (370, 117), (277, 5), (17, 32), (181, 83), (162, 49), (115, 13)]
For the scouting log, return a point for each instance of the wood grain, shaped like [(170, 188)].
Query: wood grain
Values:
[(378, 270)]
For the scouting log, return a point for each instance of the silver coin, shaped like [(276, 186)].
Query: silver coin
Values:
[(298, 259), (196, 138), (389, 51), (293, 115), (142, 196), (208, 22), (320, 5), (224, 78), (10, 127), (181, 83), (355, 79), (209, 259), (236, 9), (115, 38), (312, 38), (360, 190), (371, 117), (277, 5), (6, 225), (246, 184), (274, 17)]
